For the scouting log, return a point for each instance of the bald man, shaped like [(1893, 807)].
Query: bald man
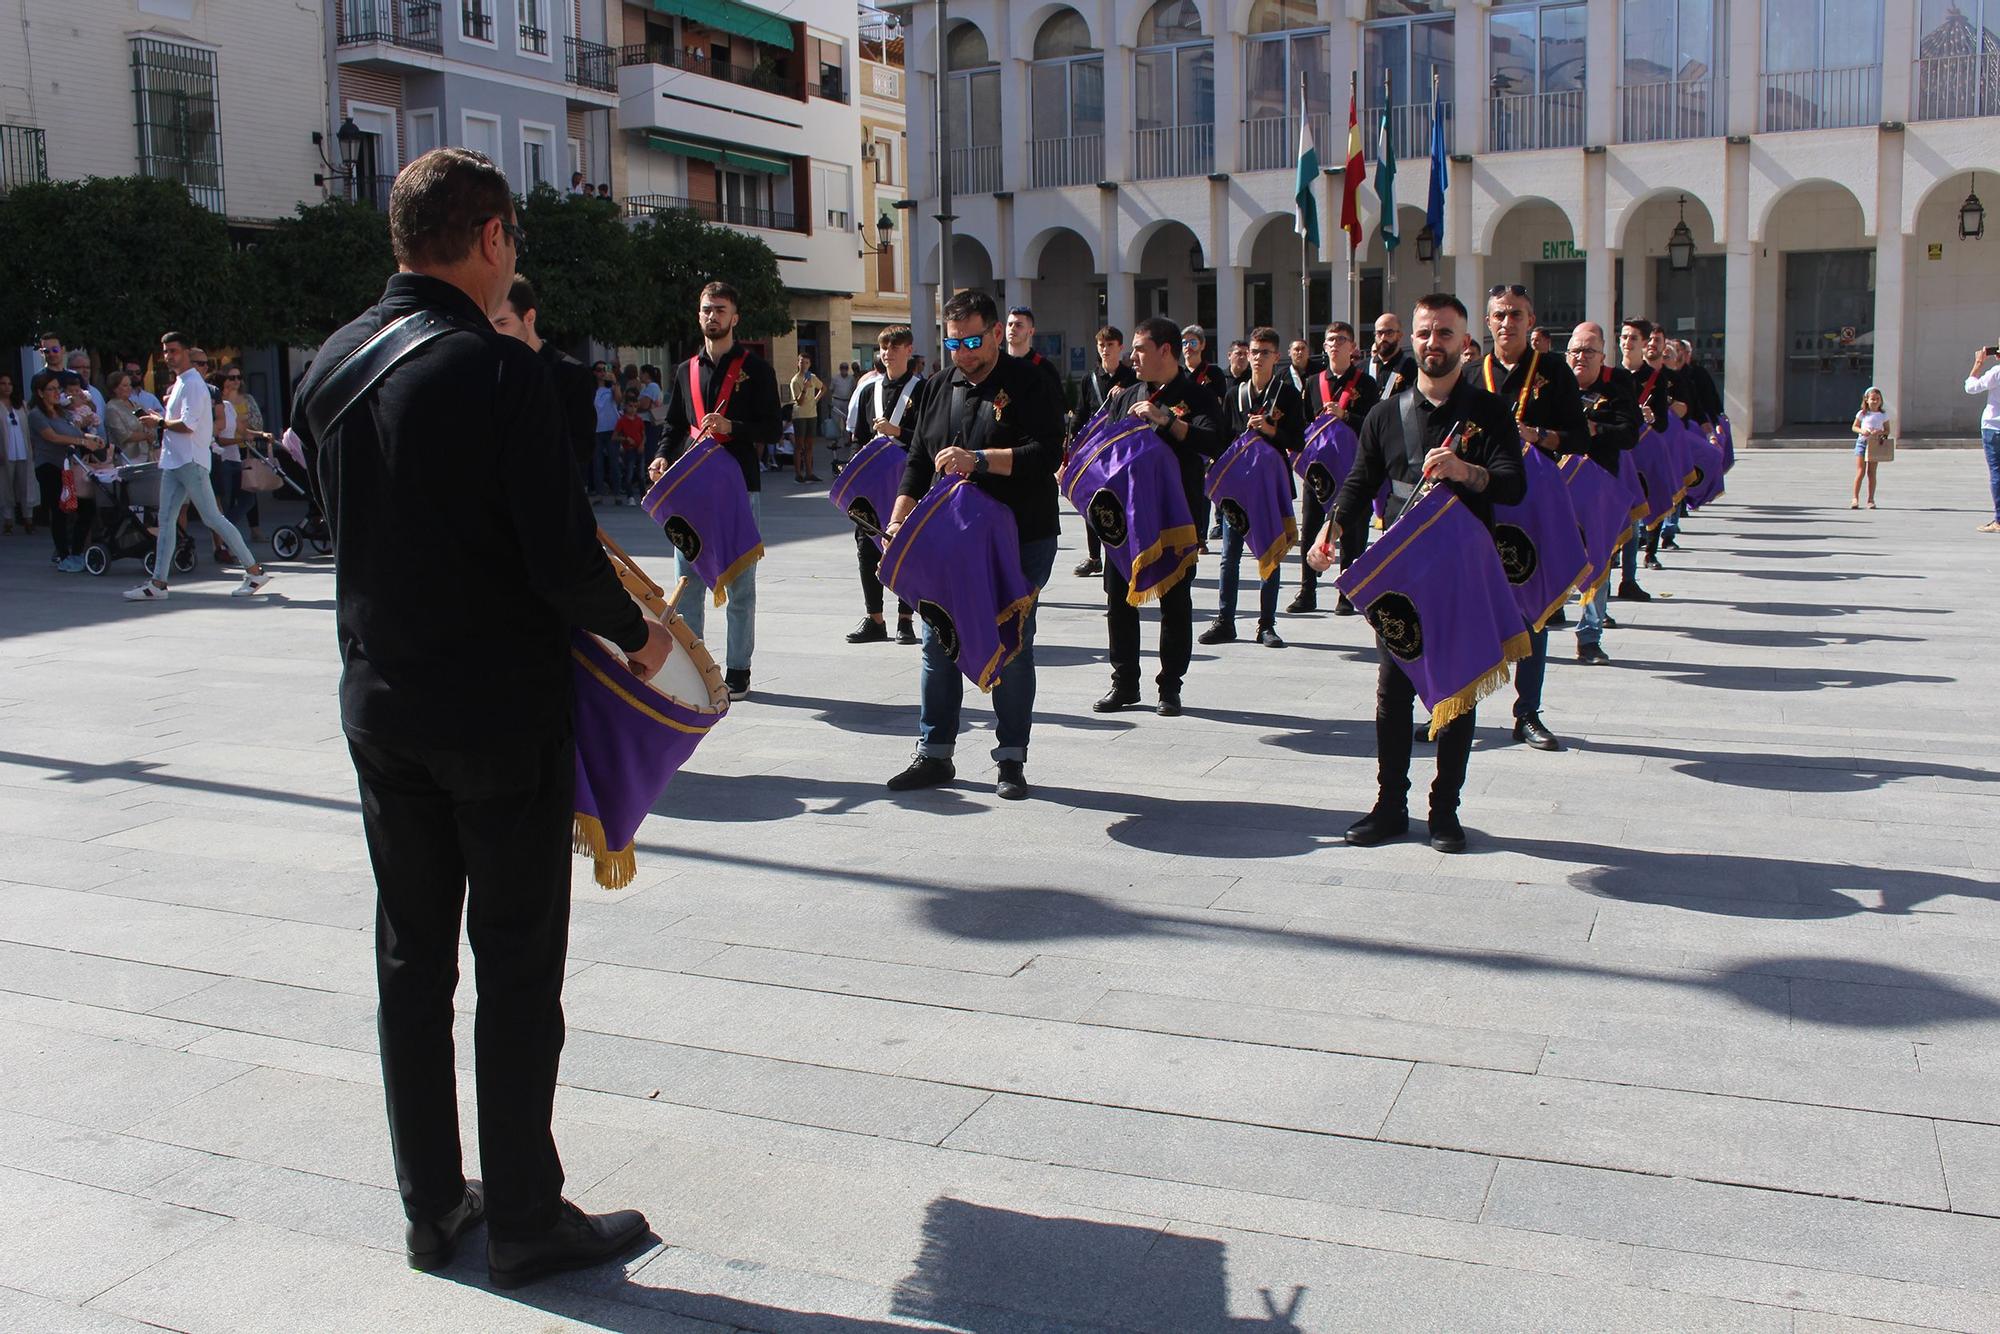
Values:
[(1390, 364), (1611, 415)]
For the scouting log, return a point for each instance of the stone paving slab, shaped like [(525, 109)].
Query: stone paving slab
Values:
[(1701, 1033)]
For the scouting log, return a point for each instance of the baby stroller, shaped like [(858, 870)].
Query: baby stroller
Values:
[(131, 497), (290, 540)]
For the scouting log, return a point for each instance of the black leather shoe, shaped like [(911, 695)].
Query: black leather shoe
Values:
[(1120, 696), (1218, 632), (577, 1241), (431, 1244), (1013, 784), (1530, 730), (1591, 655), (1303, 602), (1267, 635), (1669, 543), (924, 771), (1653, 563), (1629, 591), (1378, 826), (1087, 567), (870, 631), (1170, 703), (1447, 834), (906, 632), (738, 683), (1344, 607), (1421, 734), (1610, 621)]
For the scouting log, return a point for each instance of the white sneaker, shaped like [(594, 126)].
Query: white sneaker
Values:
[(252, 583), (146, 592)]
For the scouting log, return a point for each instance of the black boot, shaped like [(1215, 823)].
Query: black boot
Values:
[(923, 771), (1013, 784), (870, 631), (1218, 632), (1529, 728), (1447, 834), (1379, 826), (1629, 591), (1122, 695), (906, 631)]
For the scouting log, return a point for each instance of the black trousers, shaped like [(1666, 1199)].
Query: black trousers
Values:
[(1176, 630), (1395, 719), (1353, 541), (870, 557), (496, 823)]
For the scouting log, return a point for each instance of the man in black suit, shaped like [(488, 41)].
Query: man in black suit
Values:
[(575, 385)]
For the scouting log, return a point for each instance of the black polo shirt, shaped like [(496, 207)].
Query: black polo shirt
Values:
[(1207, 433), (1029, 422), (752, 409), (1387, 454)]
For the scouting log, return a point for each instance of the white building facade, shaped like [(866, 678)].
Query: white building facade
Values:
[(1113, 159)]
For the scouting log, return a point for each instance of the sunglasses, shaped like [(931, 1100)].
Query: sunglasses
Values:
[(514, 232), (1506, 289), (971, 343)]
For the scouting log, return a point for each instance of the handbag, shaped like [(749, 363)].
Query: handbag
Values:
[(1881, 449), (66, 498), (259, 476)]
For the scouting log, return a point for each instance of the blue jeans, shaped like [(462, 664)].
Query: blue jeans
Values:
[(1630, 556), (1267, 602), (230, 497), (1590, 629), (740, 611), (606, 464), (178, 486), (1991, 438), (942, 685), (1528, 675)]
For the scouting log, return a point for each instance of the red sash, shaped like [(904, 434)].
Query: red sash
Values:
[(1326, 398), (729, 379)]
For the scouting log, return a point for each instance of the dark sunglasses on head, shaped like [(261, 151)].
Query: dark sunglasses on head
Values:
[(1506, 289), (971, 343)]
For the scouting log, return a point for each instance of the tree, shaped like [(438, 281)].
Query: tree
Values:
[(315, 271), (586, 276), (680, 253), (113, 262)]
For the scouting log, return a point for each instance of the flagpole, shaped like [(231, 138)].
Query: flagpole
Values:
[(1437, 242), (1353, 239), (1388, 222), (1305, 261)]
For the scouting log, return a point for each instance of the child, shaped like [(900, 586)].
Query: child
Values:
[(1870, 424), (631, 433)]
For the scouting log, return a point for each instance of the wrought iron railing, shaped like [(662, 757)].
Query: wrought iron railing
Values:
[(1075, 160), (1535, 120), (1671, 109), (535, 39), (1173, 150), (23, 156), (1949, 87), (1822, 99), (590, 65), (414, 24), (371, 190), (698, 62), (709, 210)]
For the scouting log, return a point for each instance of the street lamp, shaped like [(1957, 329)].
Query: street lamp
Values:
[(349, 139), (1427, 246), (1680, 246), (1971, 215), (884, 225)]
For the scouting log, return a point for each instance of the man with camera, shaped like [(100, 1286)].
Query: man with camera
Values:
[(1985, 379)]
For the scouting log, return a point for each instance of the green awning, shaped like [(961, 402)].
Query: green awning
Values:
[(746, 161), (668, 143), (732, 16)]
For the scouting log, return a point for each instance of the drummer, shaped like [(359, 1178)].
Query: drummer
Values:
[(883, 400), (1267, 404), (1344, 390), (998, 421), (1188, 417)]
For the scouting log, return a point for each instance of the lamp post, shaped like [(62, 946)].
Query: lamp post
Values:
[(348, 140), (1971, 215), (1680, 246)]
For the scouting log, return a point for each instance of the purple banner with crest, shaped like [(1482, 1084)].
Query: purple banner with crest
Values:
[(1126, 483), (1706, 462), (1603, 514), (704, 507), (1540, 544), (866, 489), (1434, 590), (1324, 463), (1251, 487), (957, 560), (1659, 482)]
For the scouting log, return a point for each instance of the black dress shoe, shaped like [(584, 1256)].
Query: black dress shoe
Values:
[(1610, 621), (1530, 730), (906, 632), (870, 631), (1303, 602), (1344, 607), (1087, 567), (924, 771), (1268, 636), (1120, 696), (577, 1241), (1447, 834), (738, 681), (1170, 703), (1629, 591), (1669, 543), (431, 1244), (1653, 563), (1378, 826), (1591, 655), (1218, 632), (1013, 784)]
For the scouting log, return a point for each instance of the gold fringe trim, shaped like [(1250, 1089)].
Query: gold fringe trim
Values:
[(1181, 535), (1589, 591), (1542, 622), (612, 870), (1137, 597), (749, 558), (1447, 711), (1016, 611), (1272, 559)]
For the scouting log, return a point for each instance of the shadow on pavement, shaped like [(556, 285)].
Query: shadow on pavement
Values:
[(1789, 773)]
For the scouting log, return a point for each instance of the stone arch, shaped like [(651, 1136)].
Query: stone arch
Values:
[(1135, 249), (1131, 15), (1250, 234), (1030, 261), (1026, 23), (957, 33), (1698, 214), (1760, 220), (1948, 173), (1489, 231)]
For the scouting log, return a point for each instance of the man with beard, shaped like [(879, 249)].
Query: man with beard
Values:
[(1191, 421), (1345, 391), (1611, 415), (1655, 400), (1542, 394), (1113, 373), (1402, 448), (881, 402), (1390, 365)]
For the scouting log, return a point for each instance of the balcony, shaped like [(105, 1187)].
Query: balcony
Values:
[(1409, 132), (589, 65), (709, 210), (372, 191), (1518, 121), (534, 40), (1951, 87), (23, 157), (1173, 150), (1673, 109), (975, 171), (414, 25), (832, 84), (1821, 99), (697, 62), (475, 21), (1075, 160), (1271, 143)]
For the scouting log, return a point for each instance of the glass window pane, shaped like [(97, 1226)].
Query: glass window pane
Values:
[(1562, 48), (1309, 59), (1048, 101), (1649, 45), (1267, 91), (1853, 33), (1386, 50), (1195, 97), (1430, 49), (985, 127), (1086, 91), (1153, 89), (1511, 52), (1170, 21), (1694, 42), (1791, 35)]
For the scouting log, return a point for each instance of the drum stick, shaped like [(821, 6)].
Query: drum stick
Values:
[(681, 586), (619, 554)]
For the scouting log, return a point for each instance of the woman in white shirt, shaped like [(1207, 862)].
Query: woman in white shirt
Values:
[(17, 475), (227, 473), (1871, 426)]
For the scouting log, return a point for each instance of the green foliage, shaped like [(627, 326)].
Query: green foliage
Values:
[(111, 262), (314, 271), (680, 253), (586, 274)]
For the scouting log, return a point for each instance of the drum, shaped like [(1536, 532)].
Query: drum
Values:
[(866, 489), (1659, 483), (1126, 483), (1252, 490), (633, 736), (957, 560), (1327, 458), (704, 506)]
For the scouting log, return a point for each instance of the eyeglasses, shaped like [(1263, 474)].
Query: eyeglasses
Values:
[(514, 231), (971, 343), (1506, 289), (1585, 352)]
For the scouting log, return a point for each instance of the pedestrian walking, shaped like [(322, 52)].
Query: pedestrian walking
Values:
[(1873, 445)]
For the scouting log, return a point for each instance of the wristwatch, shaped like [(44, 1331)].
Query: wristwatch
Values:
[(978, 462)]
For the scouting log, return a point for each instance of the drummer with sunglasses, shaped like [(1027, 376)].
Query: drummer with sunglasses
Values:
[(1541, 392), (997, 420)]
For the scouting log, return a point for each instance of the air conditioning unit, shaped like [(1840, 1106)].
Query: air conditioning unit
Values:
[(868, 152)]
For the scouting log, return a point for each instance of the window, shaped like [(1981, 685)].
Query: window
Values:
[(833, 188), (885, 159), (973, 108), (538, 156), (1667, 84), (1066, 100), (1173, 92), (423, 132), (1278, 60), (1958, 58), (1822, 64), (482, 135), (1535, 56), (534, 28), (745, 197), (1399, 58), (1395, 9), (475, 20), (179, 117)]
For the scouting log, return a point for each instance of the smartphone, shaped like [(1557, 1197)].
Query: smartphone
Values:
[(1993, 351)]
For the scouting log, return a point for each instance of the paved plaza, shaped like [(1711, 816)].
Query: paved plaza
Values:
[(1700, 1034)]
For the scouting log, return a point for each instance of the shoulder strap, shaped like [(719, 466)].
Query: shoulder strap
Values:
[(361, 370)]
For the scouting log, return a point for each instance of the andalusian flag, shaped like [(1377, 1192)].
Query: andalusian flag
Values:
[(1385, 168), (1306, 222), (1351, 173)]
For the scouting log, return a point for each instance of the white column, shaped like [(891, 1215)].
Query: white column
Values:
[(1740, 317), (1892, 273), (1899, 53), (1746, 58), (1118, 304), (1228, 310), (1637, 298), (1228, 100), (1117, 100), (1600, 71), (924, 321), (1600, 266), (1015, 123), (1469, 75)]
